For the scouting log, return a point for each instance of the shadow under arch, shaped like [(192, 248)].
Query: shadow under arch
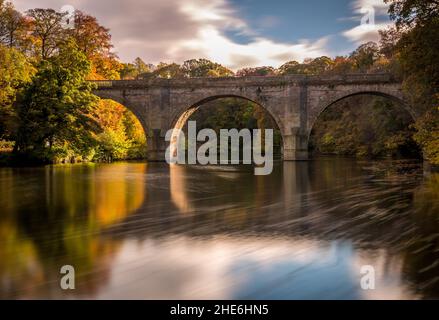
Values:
[(180, 119), (398, 101)]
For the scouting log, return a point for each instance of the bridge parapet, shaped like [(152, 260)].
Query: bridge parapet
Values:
[(249, 81)]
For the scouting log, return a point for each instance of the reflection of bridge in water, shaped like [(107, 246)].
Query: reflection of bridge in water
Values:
[(319, 200), (294, 102)]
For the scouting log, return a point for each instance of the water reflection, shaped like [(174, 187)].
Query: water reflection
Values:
[(135, 230), (53, 216)]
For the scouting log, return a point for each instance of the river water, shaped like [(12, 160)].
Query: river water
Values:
[(151, 231)]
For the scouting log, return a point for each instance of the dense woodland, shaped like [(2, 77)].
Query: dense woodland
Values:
[(48, 112)]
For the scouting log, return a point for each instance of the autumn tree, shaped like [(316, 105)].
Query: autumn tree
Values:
[(55, 109), (290, 67), (47, 30), (168, 71), (342, 65), (196, 68), (141, 67), (315, 66), (365, 56), (409, 13), (12, 25), (15, 72), (128, 71), (122, 135), (94, 41), (364, 126), (416, 47), (258, 71)]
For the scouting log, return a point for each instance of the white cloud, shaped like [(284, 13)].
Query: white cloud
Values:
[(259, 52), (365, 33), (175, 30)]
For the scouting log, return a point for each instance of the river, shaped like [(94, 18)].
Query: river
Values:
[(152, 231)]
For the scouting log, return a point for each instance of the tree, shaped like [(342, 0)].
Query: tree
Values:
[(258, 71), (141, 67), (290, 67), (55, 108), (168, 71), (408, 13), (427, 135), (122, 136), (128, 71), (12, 25), (365, 56), (417, 52), (47, 30), (15, 72), (94, 41), (196, 68), (315, 66), (388, 41), (342, 65), (364, 126)]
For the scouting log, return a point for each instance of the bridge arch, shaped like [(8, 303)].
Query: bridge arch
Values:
[(193, 106), (182, 115), (325, 104), (129, 105)]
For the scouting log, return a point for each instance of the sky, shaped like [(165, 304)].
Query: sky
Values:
[(235, 33)]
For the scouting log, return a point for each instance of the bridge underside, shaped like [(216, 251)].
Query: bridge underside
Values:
[(294, 102)]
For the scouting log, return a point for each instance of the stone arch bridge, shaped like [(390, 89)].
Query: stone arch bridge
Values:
[(295, 102)]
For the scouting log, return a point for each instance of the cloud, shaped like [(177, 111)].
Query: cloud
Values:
[(365, 33), (175, 30)]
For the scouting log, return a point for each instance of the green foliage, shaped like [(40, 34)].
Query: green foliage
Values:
[(256, 72), (128, 71), (193, 68), (408, 13), (427, 135), (168, 71), (309, 67), (414, 44), (418, 53), (365, 56), (115, 145), (230, 113), (55, 107), (122, 137), (359, 126), (112, 145), (15, 71), (137, 69), (204, 68)]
